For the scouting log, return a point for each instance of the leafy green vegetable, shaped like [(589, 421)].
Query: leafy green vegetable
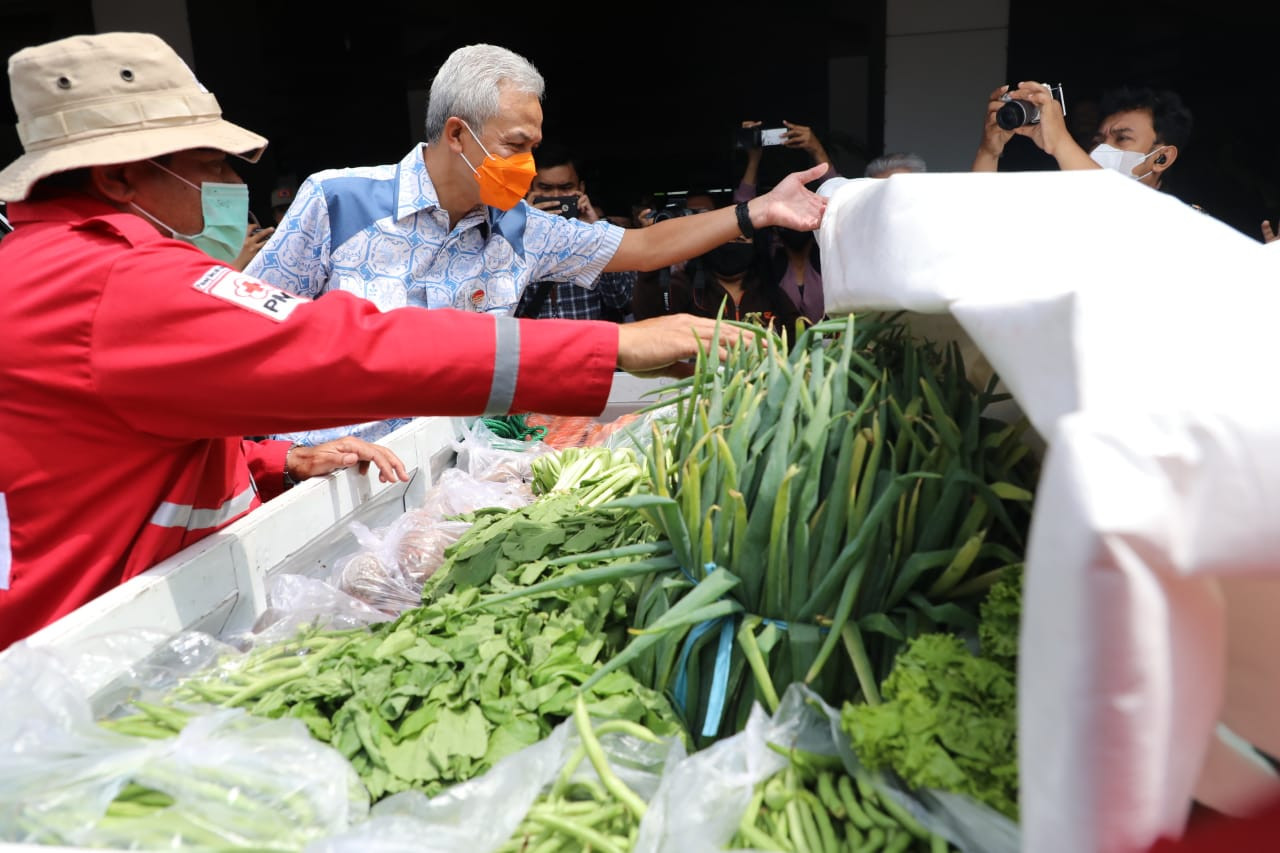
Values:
[(948, 720), (448, 688), (520, 544), (1001, 618)]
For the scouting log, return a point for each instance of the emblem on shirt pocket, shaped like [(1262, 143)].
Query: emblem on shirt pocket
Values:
[(248, 292)]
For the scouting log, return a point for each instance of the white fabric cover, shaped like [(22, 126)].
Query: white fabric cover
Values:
[(1137, 334)]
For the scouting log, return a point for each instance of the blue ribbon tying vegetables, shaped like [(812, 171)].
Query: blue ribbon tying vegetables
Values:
[(707, 567), (724, 655), (719, 675)]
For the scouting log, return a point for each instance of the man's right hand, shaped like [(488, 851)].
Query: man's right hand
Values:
[(661, 346)]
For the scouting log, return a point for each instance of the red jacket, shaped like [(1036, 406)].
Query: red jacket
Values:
[(131, 365)]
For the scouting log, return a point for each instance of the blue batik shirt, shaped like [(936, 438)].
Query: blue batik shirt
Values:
[(379, 232)]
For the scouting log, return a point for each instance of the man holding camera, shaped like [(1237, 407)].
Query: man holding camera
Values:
[(558, 188), (1139, 135)]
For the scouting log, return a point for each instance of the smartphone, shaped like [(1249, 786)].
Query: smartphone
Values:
[(568, 204), (773, 136)]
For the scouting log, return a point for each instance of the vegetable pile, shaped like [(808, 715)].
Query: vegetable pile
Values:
[(949, 717), (841, 512), (446, 689), (814, 804), (600, 814), (825, 503)]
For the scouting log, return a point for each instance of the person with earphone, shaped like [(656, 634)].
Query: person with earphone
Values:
[(1139, 135)]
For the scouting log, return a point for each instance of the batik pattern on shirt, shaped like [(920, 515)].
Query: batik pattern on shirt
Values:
[(379, 232)]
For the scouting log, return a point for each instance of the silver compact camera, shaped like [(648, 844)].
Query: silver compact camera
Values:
[(1016, 113)]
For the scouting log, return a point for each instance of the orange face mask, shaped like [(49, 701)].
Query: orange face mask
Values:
[(503, 180)]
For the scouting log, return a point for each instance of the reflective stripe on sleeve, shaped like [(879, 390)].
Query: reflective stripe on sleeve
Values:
[(184, 515), (6, 554), (506, 365)]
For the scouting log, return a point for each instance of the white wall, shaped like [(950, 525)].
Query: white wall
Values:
[(942, 59)]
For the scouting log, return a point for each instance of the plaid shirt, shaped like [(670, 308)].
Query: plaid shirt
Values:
[(610, 299)]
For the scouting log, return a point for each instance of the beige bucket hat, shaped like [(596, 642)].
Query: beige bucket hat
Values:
[(93, 100)]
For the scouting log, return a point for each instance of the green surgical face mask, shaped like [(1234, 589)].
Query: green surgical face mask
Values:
[(226, 217)]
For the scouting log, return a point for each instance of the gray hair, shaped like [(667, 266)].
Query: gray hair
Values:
[(911, 162), (468, 84)]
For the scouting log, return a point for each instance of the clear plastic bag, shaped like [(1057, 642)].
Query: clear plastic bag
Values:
[(636, 431), (458, 491), (483, 813), (701, 801), (114, 667), (488, 457), (420, 546), (231, 780), (373, 574), (393, 562), (295, 601)]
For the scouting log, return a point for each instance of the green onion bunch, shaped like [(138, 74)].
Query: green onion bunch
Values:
[(826, 502)]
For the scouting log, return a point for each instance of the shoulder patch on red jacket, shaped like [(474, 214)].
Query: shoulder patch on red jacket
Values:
[(248, 292)]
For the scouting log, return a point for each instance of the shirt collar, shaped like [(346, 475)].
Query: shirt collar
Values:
[(414, 190), (415, 193)]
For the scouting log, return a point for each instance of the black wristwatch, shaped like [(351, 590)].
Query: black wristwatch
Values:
[(744, 220)]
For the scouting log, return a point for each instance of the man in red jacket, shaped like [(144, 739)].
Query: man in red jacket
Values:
[(134, 357)]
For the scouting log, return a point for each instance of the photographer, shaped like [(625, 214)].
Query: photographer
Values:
[(1139, 135), (558, 188)]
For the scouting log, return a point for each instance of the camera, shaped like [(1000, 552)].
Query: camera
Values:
[(756, 137), (568, 204), (671, 210), (1016, 113)]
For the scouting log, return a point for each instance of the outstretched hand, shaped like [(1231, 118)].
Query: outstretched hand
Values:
[(792, 204), (661, 346), (1268, 232), (306, 462)]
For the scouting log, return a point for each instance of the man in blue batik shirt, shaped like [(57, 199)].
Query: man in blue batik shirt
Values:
[(447, 226)]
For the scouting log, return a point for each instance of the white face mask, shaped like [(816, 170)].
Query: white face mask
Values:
[(1122, 161)]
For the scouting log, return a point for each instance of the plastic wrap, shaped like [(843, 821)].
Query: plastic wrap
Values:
[(702, 799), (234, 780), (488, 457), (481, 814), (393, 562), (298, 602)]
